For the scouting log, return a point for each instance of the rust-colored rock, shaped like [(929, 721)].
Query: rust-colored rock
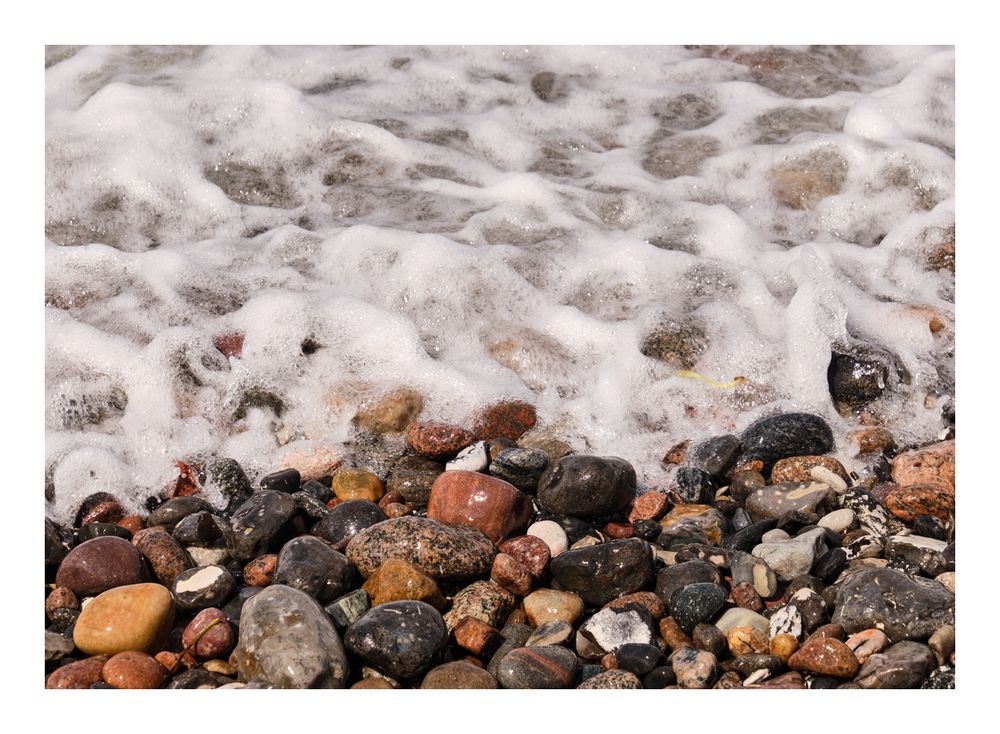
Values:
[(260, 571), (873, 440), (676, 454), (437, 440), (934, 464), (797, 468), (494, 507), (831, 631), (478, 637), (649, 506), (105, 509), (165, 555), (81, 674), (458, 674), (825, 656), (511, 574), (391, 413), (60, 598), (805, 181), (133, 670), (907, 503), (530, 550), (745, 595), (618, 530), (675, 637), (783, 646), (508, 419), (397, 580), (866, 643), (132, 523)]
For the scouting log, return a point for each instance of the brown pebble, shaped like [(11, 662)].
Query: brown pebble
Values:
[(873, 440), (478, 637), (81, 674), (132, 523), (866, 643), (675, 637), (832, 631), (133, 670), (783, 646), (675, 454), (746, 640), (649, 506), (100, 564), (60, 598), (357, 484), (618, 530), (825, 656), (907, 503), (173, 662), (397, 509), (511, 574), (108, 510), (165, 555), (745, 595), (709, 638), (459, 674), (390, 497), (508, 419), (397, 580), (517, 617), (260, 571), (609, 661), (530, 550), (437, 440), (391, 413), (798, 468), (373, 683)]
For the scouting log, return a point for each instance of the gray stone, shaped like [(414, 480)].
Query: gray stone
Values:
[(402, 639), (57, 646), (888, 600), (906, 664), (672, 579), (586, 486), (793, 557), (521, 467), (926, 553), (287, 641), (714, 456), (754, 571), (308, 564), (740, 617), (257, 522)]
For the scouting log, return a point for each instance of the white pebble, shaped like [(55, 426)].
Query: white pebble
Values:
[(553, 535), (822, 474), (472, 458), (838, 520)]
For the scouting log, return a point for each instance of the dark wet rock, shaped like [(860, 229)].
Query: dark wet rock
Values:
[(543, 667), (543, 84), (574, 527), (287, 640), (693, 486), (57, 543), (747, 664), (648, 530), (174, 510), (739, 520), (308, 564), (443, 551), (906, 664), (745, 482), (348, 608), (871, 515), (694, 668), (718, 557), (586, 486), (99, 507), (925, 553), (521, 467), (317, 490), (714, 456), (829, 565), (197, 678), (202, 587), (750, 536), (638, 658), (941, 679), (709, 638), (515, 635), (227, 476), (256, 523), (101, 564), (696, 603), (286, 480), (857, 378), (403, 639), (692, 524), (678, 342), (788, 434), (671, 579), (200, 528), (57, 646), (63, 621), (413, 477), (930, 527), (234, 607), (165, 555), (777, 500), (602, 572), (903, 608), (346, 520), (659, 678), (102, 530)]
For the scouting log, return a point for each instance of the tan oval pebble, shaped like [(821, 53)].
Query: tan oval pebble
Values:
[(222, 667), (356, 484), (783, 646), (549, 605), (746, 640), (134, 670), (135, 617)]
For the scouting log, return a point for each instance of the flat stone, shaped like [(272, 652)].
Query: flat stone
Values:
[(100, 564), (694, 668), (545, 667), (257, 522), (498, 509), (443, 551), (548, 605), (483, 600), (886, 599), (649, 506), (613, 680), (793, 557), (774, 501), (586, 486), (825, 656), (308, 564), (788, 434), (928, 554), (906, 664), (399, 580), (458, 675), (134, 617), (609, 629), (602, 572), (171, 512), (288, 641)]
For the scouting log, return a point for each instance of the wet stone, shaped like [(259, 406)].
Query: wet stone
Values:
[(228, 477), (940, 679), (545, 667), (348, 608), (209, 635), (909, 503), (602, 572), (693, 486), (748, 664), (613, 680), (287, 641), (750, 536), (99, 507), (346, 520), (511, 574), (687, 524), (491, 505), (638, 658), (57, 646), (357, 484), (708, 637), (521, 467), (857, 378), (800, 469), (398, 580), (308, 564), (437, 441), (906, 664), (102, 529), (483, 600), (412, 477), (587, 486), (174, 510), (926, 553), (134, 617), (659, 678), (100, 564), (515, 635), (530, 551), (477, 637), (556, 632), (257, 522), (694, 668), (286, 480), (777, 500), (903, 608), (199, 528), (714, 456), (548, 605), (472, 458), (825, 656), (509, 419), (391, 413), (671, 579), (788, 434), (203, 586), (402, 639), (696, 603), (649, 506), (78, 675), (552, 533), (309, 507), (934, 464)]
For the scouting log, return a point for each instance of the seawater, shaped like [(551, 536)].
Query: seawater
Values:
[(480, 223)]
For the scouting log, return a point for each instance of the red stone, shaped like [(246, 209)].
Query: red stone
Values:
[(509, 419), (649, 506), (260, 571), (187, 481), (134, 670), (216, 642), (511, 574), (492, 506), (81, 674), (745, 595), (907, 503), (933, 464), (397, 509), (478, 637), (389, 498), (100, 564), (437, 440), (109, 510), (618, 530), (230, 345), (60, 598), (530, 550), (132, 523), (165, 555), (825, 656)]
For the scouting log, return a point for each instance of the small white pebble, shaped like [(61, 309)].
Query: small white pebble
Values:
[(822, 474), (553, 535), (472, 458)]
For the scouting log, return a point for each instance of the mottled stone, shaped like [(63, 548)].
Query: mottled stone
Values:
[(777, 500), (906, 664), (99, 507), (694, 668), (708, 637), (908, 503), (288, 641), (866, 643), (873, 440), (934, 464), (134, 617), (210, 628), (472, 458), (745, 595), (521, 467), (443, 551), (749, 569), (402, 639), (490, 505), (692, 486), (714, 456), (437, 440), (587, 486), (609, 629), (901, 607), (399, 580), (871, 515), (133, 670), (825, 656), (202, 587), (614, 680), (391, 413), (940, 679), (556, 632), (260, 571), (788, 434), (79, 675), (793, 557), (746, 640), (928, 554), (801, 183), (57, 646), (648, 506), (696, 603), (602, 572), (511, 574), (477, 637), (548, 605), (357, 484), (100, 530), (686, 524), (458, 674), (483, 600), (530, 551), (508, 419), (348, 608), (795, 469), (678, 342), (346, 520), (60, 597), (100, 564), (308, 564), (645, 599), (545, 667), (412, 478), (257, 522)]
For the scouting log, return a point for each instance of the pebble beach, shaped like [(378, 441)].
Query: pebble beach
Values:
[(500, 368)]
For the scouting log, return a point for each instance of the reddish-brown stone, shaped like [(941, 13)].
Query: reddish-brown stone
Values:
[(214, 636), (397, 509), (492, 506), (649, 506), (530, 550), (437, 440), (391, 413), (459, 674), (618, 530), (373, 683), (107, 510), (134, 670), (60, 598), (397, 580), (675, 637), (825, 656), (934, 464), (478, 637), (230, 344), (906, 503), (511, 574), (390, 497), (132, 523), (509, 419), (652, 603), (798, 468), (676, 454), (873, 440), (174, 662), (830, 631), (81, 674), (745, 595), (100, 564), (260, 571), (165, 555)]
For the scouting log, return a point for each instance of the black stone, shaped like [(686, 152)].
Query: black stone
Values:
[(780, 436), (587, 671), (871, 515), (413, 477), (545, 666), (637, 657), (696, 603), (600, 573), (228, 476), (857, 379), (403, 639), (829, 565), (901, 607), (744, 483), (694, 487), (929, 527), (648, 530), (309, 507), (174, 510), (256, 523), (714, 456), (750, 536), (63, 619), (286, 480), (671, 579), (930, 562), (201, 528), (740, 520), (213, 594), (308, 564), (824, 682), (58, 541), (747, 664), (521, 467), (515, 635), (711, 639), (659, 678), (346, 520), (718, 557), (586, 486), (940, 679), (101, 529), (318, 490)]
